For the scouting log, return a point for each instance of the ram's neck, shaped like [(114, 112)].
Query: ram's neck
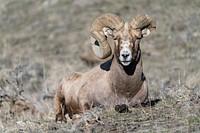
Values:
[(126, 81)]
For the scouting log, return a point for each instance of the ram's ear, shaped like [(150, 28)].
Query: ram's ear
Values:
[(145, 32), (108, 32)]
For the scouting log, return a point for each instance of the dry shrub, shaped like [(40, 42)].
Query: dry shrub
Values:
[(19, 90)]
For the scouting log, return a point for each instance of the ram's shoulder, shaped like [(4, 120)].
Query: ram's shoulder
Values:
[(72, 76)]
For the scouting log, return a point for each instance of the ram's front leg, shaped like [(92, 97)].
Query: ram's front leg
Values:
[(59, 105), (60, 116), (85, 105), (142, 96)]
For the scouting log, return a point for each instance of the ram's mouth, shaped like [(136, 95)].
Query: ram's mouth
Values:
[(125, 63)]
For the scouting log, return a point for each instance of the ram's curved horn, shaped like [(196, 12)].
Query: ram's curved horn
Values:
[(100, 46), (143, 22)]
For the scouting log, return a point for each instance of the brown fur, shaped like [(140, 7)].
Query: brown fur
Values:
[(104, 84), (78, 92), (109, 84)]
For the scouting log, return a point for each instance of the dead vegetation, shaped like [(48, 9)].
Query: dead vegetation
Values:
[(45, 38)]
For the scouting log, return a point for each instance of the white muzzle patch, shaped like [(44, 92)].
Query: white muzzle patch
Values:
[(125, 56)]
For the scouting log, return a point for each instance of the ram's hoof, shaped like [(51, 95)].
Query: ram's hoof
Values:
[(123, 108), (61, 118)]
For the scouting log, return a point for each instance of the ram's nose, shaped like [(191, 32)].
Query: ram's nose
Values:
[(125, 55)]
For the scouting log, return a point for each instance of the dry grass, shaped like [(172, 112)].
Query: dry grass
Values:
[(43, 40)]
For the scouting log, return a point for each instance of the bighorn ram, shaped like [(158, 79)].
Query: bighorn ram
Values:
[(118, 80)]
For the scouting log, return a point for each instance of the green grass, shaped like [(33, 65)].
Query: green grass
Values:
[(110, 112), (193, 120)]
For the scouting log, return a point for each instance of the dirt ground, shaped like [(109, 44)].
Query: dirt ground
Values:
[(41, 41)]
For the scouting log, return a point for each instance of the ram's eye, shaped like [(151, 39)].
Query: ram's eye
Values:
[(115, 37), (96, 43)]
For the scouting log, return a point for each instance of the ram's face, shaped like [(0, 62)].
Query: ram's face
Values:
[(126, 46), (126, 35)]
